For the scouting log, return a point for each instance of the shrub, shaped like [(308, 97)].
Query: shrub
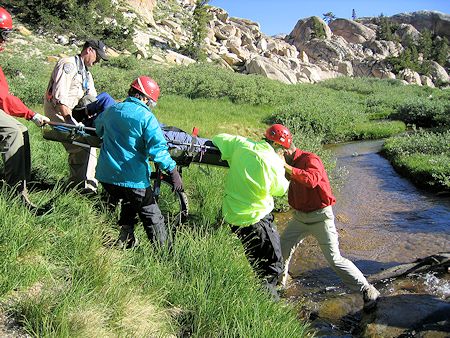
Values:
[(323, 112), (423, 157), (318, 31), (422, 142), (84, 19), (423, 112)]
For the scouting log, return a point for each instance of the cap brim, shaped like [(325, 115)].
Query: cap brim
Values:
[(102, 55)]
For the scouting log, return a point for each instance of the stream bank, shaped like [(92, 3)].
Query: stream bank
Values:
[(383, 220)]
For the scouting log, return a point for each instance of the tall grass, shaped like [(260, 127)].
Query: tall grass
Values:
[(60, 277)]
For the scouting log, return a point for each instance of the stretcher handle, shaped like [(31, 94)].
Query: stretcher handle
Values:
[(67, 125), (193, 145)]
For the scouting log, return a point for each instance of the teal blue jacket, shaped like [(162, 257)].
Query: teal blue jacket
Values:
[(131, 137)]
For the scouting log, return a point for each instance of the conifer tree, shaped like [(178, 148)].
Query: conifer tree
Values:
[(328, 17), (198, 27)]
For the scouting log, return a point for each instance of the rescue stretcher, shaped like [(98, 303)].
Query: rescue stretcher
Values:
[(173, 205), (183, 153)]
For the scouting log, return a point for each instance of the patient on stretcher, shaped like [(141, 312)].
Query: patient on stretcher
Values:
[(90, 107)]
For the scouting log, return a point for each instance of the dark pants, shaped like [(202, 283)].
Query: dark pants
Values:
[(140, 202), (261, 242)]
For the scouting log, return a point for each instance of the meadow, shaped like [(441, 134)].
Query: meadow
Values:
[(59, 276)]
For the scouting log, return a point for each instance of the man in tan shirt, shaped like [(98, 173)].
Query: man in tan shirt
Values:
[(70, 81)]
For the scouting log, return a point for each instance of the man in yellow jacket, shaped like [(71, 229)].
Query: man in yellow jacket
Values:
[(256, 174)]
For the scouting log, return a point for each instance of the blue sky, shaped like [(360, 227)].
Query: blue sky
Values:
[(281, 16)]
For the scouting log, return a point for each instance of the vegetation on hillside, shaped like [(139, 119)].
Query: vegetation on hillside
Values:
[(83, 19), (430, 47), (198, 26)]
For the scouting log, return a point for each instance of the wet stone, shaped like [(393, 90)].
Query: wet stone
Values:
[(408, 315)]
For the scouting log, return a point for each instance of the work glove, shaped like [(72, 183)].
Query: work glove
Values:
[(177, 183), (70, 120), (40, 120)]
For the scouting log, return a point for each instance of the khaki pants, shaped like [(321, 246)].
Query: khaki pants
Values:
[(15, 149), (82, 161), (320, 224)]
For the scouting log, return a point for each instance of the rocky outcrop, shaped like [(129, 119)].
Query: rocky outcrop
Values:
[(437, 22), (272, 70), (308, 29), (407, 32), (311, 52), (438, 73), (381, 49), (145, 10), (352, 31), (410, 76)]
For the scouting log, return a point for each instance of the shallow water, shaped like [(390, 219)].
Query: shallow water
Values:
[(382, 220)]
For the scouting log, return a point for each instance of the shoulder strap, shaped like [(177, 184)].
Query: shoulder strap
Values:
[(81, 68)]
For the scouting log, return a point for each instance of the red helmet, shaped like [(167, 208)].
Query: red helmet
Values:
[(5, 20), (279, 134), (147, 86)]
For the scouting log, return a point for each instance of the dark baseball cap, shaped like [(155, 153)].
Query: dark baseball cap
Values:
[(99, 47)]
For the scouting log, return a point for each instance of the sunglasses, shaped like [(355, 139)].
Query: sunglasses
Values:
[(151, 103), (4, 34)]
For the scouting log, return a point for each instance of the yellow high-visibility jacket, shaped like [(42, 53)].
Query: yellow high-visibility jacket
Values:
[(256, 174)]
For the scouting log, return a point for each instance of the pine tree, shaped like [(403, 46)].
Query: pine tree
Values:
[(440, 50), (426, 44), (198, 27), (353, 14), (328, 17), (384, 31)]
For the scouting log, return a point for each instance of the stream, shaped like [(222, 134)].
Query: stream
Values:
[(383, 220)]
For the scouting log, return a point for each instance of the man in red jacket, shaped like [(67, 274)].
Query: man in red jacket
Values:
[(311, 197), (14, 139)]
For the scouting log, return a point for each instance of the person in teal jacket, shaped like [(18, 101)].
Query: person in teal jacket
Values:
[(256, 174), (131, 137)]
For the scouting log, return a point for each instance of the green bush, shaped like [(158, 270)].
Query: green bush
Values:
[(323, 112), (27, 81), (423, 157), (424, 112), (84, 19), (421, 142)]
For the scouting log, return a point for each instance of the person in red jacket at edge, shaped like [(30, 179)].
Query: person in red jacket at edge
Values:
[(14, 139), (311, 197)]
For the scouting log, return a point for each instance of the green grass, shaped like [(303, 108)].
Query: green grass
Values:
[(63, 281), (423, 157), (378, 129), (60, 278), (213, 116)]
